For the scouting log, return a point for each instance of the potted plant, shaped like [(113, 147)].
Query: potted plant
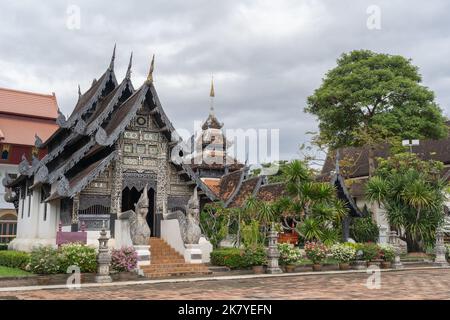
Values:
[(256, 257), (289, 256), (316, 252), (358, 262), (371, 254), (343, 254), (388, 255)]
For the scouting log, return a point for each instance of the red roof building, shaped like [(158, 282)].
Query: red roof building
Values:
[(23, 116), (26, 119)]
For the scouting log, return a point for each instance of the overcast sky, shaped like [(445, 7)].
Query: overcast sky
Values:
[(266, 56)]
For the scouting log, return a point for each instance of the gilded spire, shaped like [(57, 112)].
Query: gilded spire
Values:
[(212, 95), (150, 72), (111, 64), (129, 66)]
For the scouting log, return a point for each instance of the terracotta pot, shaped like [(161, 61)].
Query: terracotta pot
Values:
[(258, 269), (290, 268), (386, 265), (317, 267), (344, 266)]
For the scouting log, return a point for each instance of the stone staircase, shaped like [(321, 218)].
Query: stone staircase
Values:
[(166, 262)]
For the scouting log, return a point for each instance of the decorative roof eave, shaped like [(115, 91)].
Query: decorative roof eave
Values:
[(96, 124), (38, 143), (73, 160), (339, 182), (63, 188), (24, 166), (238, 187), (261, 180), (55, 152), (200, 184), (7, 180), (105, 78), (160, 110), (101, 135)]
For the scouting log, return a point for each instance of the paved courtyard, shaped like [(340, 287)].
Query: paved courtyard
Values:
[(418, 284)]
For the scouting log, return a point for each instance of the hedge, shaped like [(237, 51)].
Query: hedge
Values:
[(232, 258), (3, 246), (14, 259)]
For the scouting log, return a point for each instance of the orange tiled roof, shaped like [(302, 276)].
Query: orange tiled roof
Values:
[(21, 130), (213, 184), (28, 104)]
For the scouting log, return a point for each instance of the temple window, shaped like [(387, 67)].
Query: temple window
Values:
[(5, 151)]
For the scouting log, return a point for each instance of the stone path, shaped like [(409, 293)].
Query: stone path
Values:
[(413, 284)]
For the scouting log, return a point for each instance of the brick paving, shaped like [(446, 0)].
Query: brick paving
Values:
[(418, 284)]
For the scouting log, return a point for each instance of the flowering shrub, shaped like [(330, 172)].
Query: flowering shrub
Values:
[(387, 252), (44, 260), (124, 259), (255, 255), (316, 252), (371, 251), (343, 253), (85, 257), (289, 254), (232, 258)]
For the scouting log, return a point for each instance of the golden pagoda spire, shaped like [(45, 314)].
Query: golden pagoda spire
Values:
[(150, 72), (212, 95)]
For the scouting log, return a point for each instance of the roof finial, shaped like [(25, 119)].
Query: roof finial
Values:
[(212, 95), (129, 66), (150, 72), (79, 91), (111, 64)]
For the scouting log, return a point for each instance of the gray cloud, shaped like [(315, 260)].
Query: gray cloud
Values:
[(266, 56)]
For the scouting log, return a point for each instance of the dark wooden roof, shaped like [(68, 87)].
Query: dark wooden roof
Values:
[(438, 150)]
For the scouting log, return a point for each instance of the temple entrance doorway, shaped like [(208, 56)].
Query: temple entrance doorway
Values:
[(131, 196)]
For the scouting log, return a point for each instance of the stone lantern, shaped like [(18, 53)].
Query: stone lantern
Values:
[(393, 240), (440, 250), (103, 258), (272, 252)]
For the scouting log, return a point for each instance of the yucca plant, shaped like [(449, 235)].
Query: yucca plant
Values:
[(413, 196)]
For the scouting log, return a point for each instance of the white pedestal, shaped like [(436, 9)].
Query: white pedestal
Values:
[(193, 254), (122, 234), (143, 255)]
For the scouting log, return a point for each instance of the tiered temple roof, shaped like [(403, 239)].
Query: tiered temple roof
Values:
[(84, 144)]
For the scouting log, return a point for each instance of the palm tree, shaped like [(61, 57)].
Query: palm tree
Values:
[(413, 203)]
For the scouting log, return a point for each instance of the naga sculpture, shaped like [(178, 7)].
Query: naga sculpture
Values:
[(139, 229), (189, 223)]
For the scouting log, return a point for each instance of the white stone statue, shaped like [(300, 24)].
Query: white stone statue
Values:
[(189, 223), (139, 229)]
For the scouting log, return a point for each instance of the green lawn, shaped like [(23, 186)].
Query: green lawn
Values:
[(12, 272)]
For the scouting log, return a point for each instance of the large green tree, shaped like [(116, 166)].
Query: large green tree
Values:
[(370, 98)]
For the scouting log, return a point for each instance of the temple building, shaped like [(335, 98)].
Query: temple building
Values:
[(23, 115), (117, 142)]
